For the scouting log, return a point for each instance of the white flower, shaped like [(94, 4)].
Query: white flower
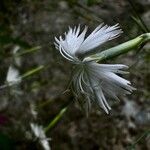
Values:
[(95, 81), (40, 134), (13, 76)]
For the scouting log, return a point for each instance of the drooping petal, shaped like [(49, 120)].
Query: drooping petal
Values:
[(105, 73), (97, 81)]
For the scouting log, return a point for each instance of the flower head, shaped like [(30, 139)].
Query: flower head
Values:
[(93, 80)]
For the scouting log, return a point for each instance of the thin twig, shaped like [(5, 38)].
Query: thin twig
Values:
[(137, 15), (146, 133)]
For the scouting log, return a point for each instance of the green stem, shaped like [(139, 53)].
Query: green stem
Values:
[(146, 133), (87, 10), (133, 44), (55, 120), (28, 51), (141, 23), (33, 71)]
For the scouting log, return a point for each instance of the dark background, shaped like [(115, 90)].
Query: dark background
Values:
[(27, 24)]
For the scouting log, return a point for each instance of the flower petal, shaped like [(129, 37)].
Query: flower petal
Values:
[(99, 36)]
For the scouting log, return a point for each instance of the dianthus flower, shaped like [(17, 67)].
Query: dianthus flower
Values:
[(93, 80)]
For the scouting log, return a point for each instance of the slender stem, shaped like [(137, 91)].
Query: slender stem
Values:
[(88, 10), (33, 49), (24, 76), (134, 44), (139, 139), (56, 119), (33, 71), (138, 16)]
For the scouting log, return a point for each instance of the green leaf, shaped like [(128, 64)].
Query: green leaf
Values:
[(139, 23), (32, 71), (27, 51), (56, 119)]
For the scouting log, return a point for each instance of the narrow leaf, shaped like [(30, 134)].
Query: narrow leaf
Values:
[(56, 119), (33, 71)]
